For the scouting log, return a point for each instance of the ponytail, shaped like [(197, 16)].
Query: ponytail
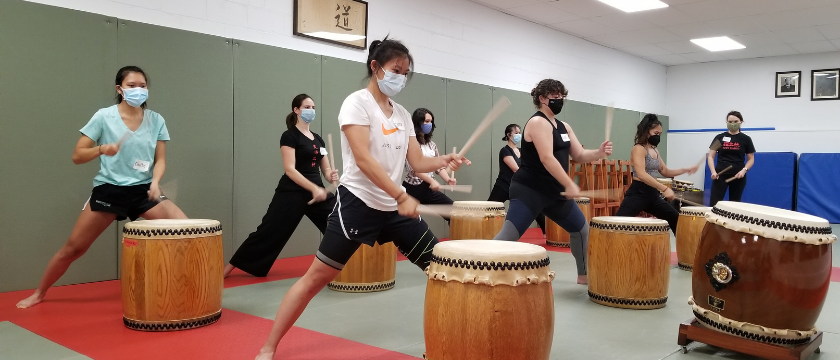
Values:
[(297, 102)]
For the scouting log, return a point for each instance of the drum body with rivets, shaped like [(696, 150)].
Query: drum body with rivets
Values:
[(369, 269), (556, 235), (171, 274), (489, 300), (476, 219), (629, 262), (689, 227), (762, 273)]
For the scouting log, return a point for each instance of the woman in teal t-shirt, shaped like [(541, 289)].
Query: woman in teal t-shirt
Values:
[(130, 143)]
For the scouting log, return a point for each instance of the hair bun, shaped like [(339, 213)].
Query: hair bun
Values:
[(374, 45)]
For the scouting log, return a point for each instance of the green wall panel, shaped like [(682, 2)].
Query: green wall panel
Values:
[(663, 143), (520, 110), (191, 86), (466, 105), (430, 92), (266, 79), (623, 133), (57, 69)]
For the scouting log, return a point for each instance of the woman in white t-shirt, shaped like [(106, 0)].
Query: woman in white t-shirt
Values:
[(377, 137), (130, 143), (423, 186)]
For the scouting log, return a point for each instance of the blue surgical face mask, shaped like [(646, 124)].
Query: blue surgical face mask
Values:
[(426, 127), (307, 115), (135, 96), (517, 138), (391, 84)]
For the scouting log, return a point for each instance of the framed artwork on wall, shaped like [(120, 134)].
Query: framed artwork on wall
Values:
[(342, 22), (787, 84), (825, 84)]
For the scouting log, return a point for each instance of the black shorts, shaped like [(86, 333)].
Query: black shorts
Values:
[(125, 201), (353, 223)]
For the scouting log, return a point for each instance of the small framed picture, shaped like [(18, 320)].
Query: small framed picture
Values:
[(787, 84), (824, 84), (342, 22)]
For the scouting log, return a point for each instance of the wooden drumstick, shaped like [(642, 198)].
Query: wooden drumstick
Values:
[(724, 170), (442, 210), (332, 157), (692, 203), (609, 122), (458, 188), (597, 194), (123, 138), (452, 174), (501, 105)]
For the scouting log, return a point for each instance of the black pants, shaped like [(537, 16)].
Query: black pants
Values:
[(424, 194), (736, 189), (500, 193), (642, 197), (258, 252)]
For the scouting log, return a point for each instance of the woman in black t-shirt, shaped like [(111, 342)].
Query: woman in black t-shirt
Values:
[(509, 163), (737, 150), (303, 154)]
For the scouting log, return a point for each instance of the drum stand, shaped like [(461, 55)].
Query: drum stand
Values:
[(691, 331)]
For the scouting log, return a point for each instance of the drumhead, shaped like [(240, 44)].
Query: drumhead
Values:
[(479, 205), (772, 222), (665, 181), (695, 210), (490, 262), (626, 224), (582, 200), (172, 228), (683, 182)]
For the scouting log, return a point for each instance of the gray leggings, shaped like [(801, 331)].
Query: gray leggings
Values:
[(527, 203)]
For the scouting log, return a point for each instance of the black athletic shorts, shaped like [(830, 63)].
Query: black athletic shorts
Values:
[(353, 223), (125, 201)]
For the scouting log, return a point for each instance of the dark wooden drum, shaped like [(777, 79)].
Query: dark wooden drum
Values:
[(762, 273)]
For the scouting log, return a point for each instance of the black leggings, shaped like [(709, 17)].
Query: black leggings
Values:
[(736, 189), (424, 194), (258, 252), (500, 194), (527, 203), (642, 197)]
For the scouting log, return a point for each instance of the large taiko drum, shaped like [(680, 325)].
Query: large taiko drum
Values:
[(555, 235), (369, 269), (689, 228), (629, 262), (489, 300), (476, 219), (762, 273), (171, 274)]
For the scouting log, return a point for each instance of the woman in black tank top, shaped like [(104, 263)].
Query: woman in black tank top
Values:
[(547, 144)]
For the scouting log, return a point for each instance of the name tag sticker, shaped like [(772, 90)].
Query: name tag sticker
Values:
[(142, 165), (323, 151), (727, 139), (565, 137)]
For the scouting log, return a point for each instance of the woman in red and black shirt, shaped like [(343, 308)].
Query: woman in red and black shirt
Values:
[(736, 150)]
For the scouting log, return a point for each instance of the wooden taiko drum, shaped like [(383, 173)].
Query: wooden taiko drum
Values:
[(682, 185), (489, 300), (476, 220), (171, 274), (629, 262), (369, 269), (689, 228), (762, 273), (666, 181), (556, 235)]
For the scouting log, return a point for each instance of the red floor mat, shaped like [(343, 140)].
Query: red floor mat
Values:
[(88, 319)]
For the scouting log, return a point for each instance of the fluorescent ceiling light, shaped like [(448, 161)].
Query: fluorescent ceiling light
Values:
[(720, 43), (335, 36), (635, 5)]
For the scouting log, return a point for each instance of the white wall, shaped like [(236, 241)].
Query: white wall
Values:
[(456, 39), (700, 96)]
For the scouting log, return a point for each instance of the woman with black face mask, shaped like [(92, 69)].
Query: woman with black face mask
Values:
[(646, 193)]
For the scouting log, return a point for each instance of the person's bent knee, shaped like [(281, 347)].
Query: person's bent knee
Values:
[(72, 252)]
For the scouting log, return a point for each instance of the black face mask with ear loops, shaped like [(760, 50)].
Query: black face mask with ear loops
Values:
[(654, 140), (556, 105)]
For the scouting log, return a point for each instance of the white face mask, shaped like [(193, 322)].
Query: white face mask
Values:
[(391, 84)]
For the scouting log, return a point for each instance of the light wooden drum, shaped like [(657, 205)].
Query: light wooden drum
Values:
[(489, 300), (629, 262), (476, 220), (171, 274), (369, 269), (689, 228), (762, 273), (666, 181), (683, 185), (555, 235)]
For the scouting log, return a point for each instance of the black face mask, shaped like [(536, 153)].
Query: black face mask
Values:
[(654, 140), (555, 105)]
